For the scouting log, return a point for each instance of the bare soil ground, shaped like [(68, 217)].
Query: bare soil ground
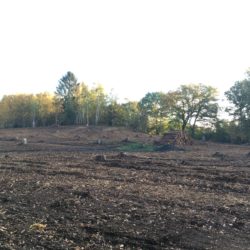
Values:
[(64, 191)]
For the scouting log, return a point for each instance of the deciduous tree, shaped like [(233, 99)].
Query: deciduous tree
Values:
[(195, 103), (239, 96), (151, 107)]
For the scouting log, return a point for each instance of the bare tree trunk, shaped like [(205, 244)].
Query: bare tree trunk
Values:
[(97, 114), (87, 114)]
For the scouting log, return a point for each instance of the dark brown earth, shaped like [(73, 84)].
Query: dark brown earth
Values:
[(63, 190)]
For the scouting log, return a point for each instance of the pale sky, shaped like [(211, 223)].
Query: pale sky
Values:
[(132, 46)]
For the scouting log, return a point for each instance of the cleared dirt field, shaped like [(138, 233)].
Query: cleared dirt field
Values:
[(60, 192)]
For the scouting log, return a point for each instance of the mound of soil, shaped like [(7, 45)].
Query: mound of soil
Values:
[(74, 136)]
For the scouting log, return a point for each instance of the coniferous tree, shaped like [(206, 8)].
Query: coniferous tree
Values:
[(66, 97)]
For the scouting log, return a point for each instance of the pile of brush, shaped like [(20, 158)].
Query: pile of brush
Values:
[(175, 138)]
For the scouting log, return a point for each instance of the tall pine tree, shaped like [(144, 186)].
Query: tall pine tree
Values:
[(66, 97)]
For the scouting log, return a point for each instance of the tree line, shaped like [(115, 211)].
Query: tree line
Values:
[(193, 108)]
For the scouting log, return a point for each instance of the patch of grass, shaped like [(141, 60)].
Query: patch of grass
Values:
[(142, 147), (137, 147)]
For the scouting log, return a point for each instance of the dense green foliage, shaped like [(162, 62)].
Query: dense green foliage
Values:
[(192, 108)]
